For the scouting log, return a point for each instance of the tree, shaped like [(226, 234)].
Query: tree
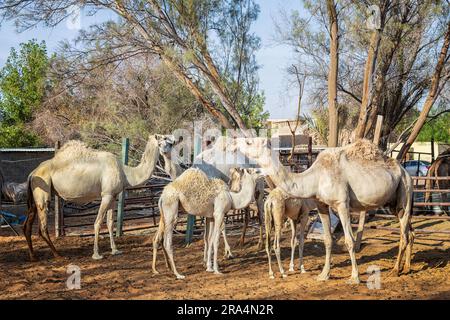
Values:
[(432, 95), (409, 38), (22, 90), (180, 32), (132, 99), (333, 74)]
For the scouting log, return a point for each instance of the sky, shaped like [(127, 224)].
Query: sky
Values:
[(281, 100)]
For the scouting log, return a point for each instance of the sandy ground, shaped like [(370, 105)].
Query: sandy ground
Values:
[(129, 276)]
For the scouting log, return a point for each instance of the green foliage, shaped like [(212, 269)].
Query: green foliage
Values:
[(22, 81), (22, 89), (438, 128), (14, 136)]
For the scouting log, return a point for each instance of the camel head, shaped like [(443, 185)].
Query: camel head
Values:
[(237, 176), (257, 149), (165, 143)]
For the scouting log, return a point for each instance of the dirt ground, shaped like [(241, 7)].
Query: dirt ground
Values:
[(129, 276)]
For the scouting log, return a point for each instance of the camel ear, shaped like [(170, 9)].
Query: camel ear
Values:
[(158, 137)]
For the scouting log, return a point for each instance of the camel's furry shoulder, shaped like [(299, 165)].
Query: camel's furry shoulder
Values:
[(195, 185)]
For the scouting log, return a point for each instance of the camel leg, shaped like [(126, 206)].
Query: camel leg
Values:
[(404, 241), (227, 253), (169, 221), (156, 242), (293, 242), (344, 215), (27, 230), (110, 223), (207, 239), (210, 236), (360, 230), (104, 205), (268, 251), (301, 240), (218, 221), (244, 229), (42, 212), (276, 245), (407, 267), (328, 242), (260, 206)]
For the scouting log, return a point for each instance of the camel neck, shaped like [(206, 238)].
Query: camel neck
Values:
[(298, 185), (141, 173), (243, 198), (170, 167)]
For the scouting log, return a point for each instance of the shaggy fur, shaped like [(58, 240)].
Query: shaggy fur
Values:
[(195, 186)]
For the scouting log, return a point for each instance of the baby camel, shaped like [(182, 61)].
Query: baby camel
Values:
[(209, 198), (277, 207)]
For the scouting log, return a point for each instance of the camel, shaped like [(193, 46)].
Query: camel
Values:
[(217, 162), (353, 178), (81, 174), (174, 170), (199, 195), (439, 168), (277, 207)]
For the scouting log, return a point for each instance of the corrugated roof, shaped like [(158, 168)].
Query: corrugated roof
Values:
[(27, 149)]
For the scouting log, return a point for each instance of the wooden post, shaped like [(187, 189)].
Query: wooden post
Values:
[(191, 218), (59, 214), (377, 134), (432, 147), (121, 203), (309, 152)]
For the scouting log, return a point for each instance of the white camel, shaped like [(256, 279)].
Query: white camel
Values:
[(199, 195), (277, 207), (356, 178), (174, 170), (81, 174)]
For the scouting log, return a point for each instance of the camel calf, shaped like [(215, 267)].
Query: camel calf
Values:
[(277, 208)]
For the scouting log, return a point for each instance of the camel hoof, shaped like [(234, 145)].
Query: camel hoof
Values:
[(96, 256), (302, 269), (284, 275), (323, 277), (180, 277), (271, 276), (116, 252), (291, 269), (209, 270), (394, 273), (218, 273), (353, 280), (155, 271)]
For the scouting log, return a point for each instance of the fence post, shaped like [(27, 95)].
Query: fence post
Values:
[(59, 214), (191, 218), (377, 134), (120, 206)]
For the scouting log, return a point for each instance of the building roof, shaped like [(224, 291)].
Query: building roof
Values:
[(27, 149)]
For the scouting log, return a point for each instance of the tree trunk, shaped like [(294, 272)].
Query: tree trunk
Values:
[(431, 98), (368, 84), (332, 76), (196, 92)]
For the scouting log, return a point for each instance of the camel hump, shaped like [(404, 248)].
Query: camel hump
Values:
[(195, 185), (363, 149)]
